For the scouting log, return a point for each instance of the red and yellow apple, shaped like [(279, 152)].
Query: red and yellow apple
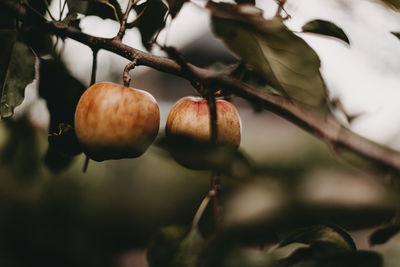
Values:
[(190, 118), (114, 121)]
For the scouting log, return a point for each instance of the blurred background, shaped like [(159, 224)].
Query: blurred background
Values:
[(106, 216)]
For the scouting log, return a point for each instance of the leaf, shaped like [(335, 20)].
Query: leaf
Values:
[(268, 47), (175, 6), (325, 28), (61, 92), (106, 9), (190, 249), (164, 245), (175, 246), (394, 4), (20, 72), (151, 21), (250, 2), (397, 34), (327, 255), (320, 233), (383, 234)]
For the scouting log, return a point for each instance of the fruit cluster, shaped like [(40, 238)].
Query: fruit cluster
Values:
[(114, 121)]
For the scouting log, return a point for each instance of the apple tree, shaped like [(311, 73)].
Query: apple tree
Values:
[(251, 214)]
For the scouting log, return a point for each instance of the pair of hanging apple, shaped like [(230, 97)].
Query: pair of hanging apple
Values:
[(114, 121)]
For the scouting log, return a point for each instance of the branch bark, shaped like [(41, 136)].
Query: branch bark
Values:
[(329, 129)]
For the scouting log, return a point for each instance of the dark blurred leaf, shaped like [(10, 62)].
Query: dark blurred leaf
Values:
[(395, 4), (106, 9), (251, 2), (397, 34), (383, 234), (63, 145), (151, 21), (19, 73), (325, 28), (205, 156), (62, 93), (65, 140), (249, 258), (21, 150), (268, 47), (320, 233), (328, 255), (164, 245), (175, 6)]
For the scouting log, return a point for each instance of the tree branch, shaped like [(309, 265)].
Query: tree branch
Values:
[(329, 129)]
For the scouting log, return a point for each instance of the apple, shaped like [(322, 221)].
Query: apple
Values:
[(189, 119), (114, 121)]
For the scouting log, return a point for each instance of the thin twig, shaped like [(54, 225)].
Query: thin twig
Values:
[(133, 23), (48, 10), (63, 8), (201, 209), (327, 129), (122, 28), (215, 177), (92, 81)]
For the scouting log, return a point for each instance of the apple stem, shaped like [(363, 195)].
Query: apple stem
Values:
[(130, 66)]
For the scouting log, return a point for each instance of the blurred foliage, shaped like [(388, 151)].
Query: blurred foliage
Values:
[(151, 20)]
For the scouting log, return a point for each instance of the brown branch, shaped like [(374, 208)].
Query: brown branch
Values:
[(329, 130)]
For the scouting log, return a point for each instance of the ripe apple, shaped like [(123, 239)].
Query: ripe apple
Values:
[(189, 118), (114, 121)]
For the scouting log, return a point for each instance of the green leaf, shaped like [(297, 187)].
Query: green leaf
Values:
[(320, 233), (325, 28), (151, 21), (106, 9), (268, 47), (20, 72), (189, 251), (175, 6)]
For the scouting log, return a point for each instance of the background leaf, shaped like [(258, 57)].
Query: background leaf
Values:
[(395, 4), (20, 72), (267, 46), (62, 98), (325, 28), (151, 21), (251, 2), (101, 8), (175, 6), (320, 233)]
